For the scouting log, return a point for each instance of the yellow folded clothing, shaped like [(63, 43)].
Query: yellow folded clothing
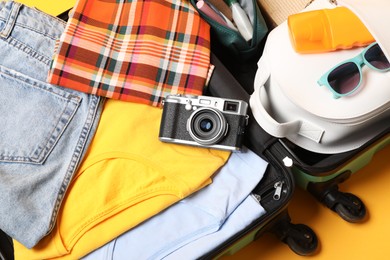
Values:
[(127, 176)]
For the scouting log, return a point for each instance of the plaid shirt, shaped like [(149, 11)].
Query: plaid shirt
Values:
[(134, 50)]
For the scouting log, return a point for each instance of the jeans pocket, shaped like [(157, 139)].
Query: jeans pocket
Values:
[(33, 116)]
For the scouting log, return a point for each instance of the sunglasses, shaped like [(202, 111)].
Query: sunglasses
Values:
[(346, 77)]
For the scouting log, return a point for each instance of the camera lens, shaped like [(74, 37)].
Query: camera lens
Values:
[(207, 126)]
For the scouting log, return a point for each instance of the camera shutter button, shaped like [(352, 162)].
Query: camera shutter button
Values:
[(188, 105)]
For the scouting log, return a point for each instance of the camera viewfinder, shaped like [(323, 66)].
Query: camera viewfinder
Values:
[(231, 106)]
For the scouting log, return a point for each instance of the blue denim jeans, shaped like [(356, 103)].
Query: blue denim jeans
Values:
[(44, 129)]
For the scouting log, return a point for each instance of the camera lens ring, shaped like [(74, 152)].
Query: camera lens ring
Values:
[(207, 126)]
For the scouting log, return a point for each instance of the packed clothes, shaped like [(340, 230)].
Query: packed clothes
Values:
[(201, 222)]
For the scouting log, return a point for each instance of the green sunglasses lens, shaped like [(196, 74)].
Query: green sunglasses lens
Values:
[(345, 78), (377, 58)]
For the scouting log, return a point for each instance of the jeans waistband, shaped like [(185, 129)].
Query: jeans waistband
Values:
[(16, 14)]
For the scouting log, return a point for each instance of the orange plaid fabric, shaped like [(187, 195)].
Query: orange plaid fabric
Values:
[(134, 50)]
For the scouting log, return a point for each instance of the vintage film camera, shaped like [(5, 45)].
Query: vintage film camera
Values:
[(204, 121)]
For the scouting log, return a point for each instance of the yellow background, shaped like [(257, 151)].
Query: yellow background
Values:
[(53, 7), (338, 239)]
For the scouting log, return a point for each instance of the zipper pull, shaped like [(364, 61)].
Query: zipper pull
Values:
[(278, 190), (257, 197)]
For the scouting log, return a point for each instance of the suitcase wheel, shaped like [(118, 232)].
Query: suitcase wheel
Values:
[(350, 207), (301, 239)]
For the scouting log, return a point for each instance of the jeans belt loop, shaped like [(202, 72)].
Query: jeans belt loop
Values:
[(9, 25)]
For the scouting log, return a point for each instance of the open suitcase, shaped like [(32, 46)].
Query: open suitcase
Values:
[(319, 174)]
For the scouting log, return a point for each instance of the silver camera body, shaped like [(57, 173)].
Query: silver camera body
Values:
[(204, 121)]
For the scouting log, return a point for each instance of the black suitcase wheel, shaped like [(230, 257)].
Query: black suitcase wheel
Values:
[(350, 208), (301, 239)]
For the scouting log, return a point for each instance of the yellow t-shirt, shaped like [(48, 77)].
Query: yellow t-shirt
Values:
[(127, 176)]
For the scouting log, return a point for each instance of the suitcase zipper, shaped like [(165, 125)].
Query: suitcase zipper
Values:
[(275, 189), (278, 190)]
